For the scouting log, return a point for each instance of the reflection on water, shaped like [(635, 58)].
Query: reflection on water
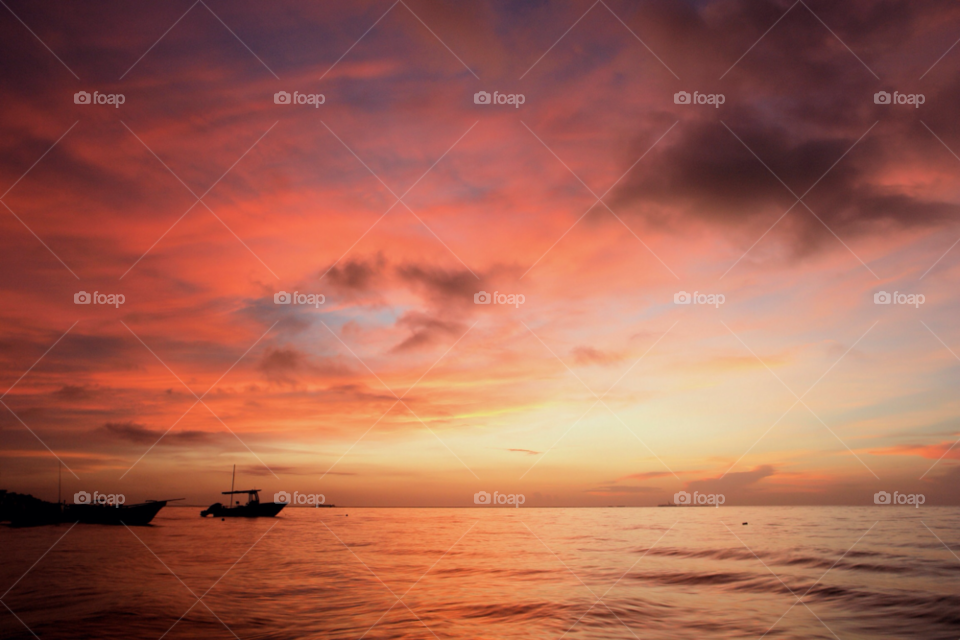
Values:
[(493, 573)]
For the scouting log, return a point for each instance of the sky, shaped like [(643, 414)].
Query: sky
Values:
[(786, 199)]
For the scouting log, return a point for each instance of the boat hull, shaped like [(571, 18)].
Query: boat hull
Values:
[(27, 511), (261, 510), (134, 515)]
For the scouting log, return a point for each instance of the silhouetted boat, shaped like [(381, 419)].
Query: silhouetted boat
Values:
[(22, 510), (131, 515), (253, 509)]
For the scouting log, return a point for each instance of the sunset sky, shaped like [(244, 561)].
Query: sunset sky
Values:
[(399, 198)]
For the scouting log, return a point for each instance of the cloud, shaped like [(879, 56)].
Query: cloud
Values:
[(281, 365), (732, 484), (706, 174), (946, 450), (73, 392), (140, 434), (645, 476), (444, 286), (800, 103), (425, 331), (589, 355), (357, 275)]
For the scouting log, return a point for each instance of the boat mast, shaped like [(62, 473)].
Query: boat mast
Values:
[(233, 479), (59, 478)]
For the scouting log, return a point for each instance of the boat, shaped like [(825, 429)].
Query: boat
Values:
[(22, 510), (233, 509), (253, 509), (133, 515)]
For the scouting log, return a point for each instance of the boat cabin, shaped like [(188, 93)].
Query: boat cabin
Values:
[(253, 495)]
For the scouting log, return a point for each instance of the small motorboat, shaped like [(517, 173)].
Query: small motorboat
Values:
[(253, 509), (233, 509)]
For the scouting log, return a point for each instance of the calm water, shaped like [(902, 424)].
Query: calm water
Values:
[(493, 573)]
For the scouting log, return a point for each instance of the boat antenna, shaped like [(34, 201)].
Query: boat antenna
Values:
[(232, 480)]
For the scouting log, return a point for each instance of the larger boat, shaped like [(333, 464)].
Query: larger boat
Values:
[(26, 511), (131, 515), (233, 509)]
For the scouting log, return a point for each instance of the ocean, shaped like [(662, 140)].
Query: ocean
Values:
[(789, 572)]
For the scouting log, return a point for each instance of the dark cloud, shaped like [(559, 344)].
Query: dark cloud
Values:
[(425, 331), (281, 365), (706, 174), (800, 101), (73, 392), (356, 275), (441, 285), (140, 434)]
